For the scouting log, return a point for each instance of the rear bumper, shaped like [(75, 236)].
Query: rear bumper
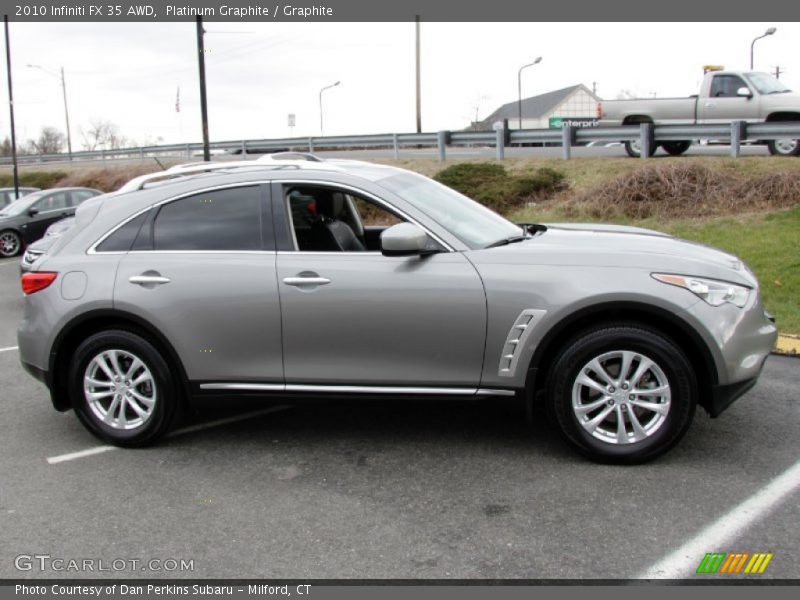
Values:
[(45, 378), (35, 372)]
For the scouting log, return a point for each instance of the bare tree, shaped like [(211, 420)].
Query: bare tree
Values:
[(50, 141), (5, 147), (103, 135), (625, 95)]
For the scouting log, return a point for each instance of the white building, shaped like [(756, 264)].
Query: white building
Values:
[(576, 103)]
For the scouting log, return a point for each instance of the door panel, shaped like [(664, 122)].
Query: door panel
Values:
[(381, 320), (220, 311), (722, 105)]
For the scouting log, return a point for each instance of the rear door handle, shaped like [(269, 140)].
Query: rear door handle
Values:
[(149, 279), (297, 281)]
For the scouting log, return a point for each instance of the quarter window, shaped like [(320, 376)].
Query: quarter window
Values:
[(122, 239), (218, 220), (80, 196)]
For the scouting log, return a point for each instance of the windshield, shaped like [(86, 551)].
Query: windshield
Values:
[(20, 206), (472, 223), (767, 84)]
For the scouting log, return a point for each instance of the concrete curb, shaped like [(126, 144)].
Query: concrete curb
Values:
[(787, 345)]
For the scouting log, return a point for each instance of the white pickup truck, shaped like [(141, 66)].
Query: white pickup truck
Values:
[(724, 96)]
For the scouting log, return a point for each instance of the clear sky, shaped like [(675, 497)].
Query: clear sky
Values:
[(258, 73)]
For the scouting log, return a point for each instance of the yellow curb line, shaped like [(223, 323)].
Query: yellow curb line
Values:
[(788, 345)]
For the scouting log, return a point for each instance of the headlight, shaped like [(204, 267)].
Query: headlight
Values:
[(716, 293)]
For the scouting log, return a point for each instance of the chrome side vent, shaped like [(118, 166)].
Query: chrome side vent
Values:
[(515, 341)]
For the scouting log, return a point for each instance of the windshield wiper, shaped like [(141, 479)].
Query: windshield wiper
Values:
[(508, 240)]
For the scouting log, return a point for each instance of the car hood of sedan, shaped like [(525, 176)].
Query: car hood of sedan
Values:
[(597, 245)]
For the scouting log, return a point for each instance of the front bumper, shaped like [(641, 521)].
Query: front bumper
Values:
[(722, 396)]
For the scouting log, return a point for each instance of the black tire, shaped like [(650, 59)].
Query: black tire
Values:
[(784, 147), (675, 148), (10, 243), (163, 391), (633, 150), (606, 341)]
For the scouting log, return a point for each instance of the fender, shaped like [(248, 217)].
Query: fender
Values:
[(56, 375)]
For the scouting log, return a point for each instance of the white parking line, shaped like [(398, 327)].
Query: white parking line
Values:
[(683, 561), (80, 454), (191, 429), (9, 349)]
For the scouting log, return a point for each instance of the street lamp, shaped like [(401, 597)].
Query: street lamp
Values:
[(519, 87), (327, 87), (769, 31), (66, 110)]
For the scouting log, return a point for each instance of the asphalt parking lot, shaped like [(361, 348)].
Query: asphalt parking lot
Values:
[(377, 490)]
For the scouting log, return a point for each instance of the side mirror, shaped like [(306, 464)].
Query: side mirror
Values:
[(32, 212), (404, 239), (744, 92)]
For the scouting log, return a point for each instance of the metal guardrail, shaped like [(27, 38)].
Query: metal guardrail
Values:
[(734, 133)]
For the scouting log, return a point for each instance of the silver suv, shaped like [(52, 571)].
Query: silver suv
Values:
[(285, 277)]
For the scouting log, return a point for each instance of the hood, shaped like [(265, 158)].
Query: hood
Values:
[(789, 101), (617, 246), (609, 228)]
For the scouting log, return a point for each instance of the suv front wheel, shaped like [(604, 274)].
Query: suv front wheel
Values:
[(122, 389), (622, 393)]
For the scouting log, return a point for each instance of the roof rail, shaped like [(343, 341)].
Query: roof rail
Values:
[(138, 183), (307, 156)]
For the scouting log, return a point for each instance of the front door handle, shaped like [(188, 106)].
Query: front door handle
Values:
[(710, 105), (299, 281)]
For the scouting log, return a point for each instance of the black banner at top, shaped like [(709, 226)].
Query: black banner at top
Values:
[(404, 10)]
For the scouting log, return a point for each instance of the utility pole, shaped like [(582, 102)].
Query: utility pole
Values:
[(11, 110), (594, 88), (419, 97), (201, 63), (778, 72), (66, 113)]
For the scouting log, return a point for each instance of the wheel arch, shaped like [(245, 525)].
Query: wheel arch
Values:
[(636, 119), (654, 317), (86, 324), (783, 116)]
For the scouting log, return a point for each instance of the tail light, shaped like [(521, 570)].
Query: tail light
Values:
[(35, 282)]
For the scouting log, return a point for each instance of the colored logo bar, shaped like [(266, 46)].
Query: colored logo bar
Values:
[(734, 563)]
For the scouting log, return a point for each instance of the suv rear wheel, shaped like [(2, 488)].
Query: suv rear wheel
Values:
[(622, 393), (122, 389)]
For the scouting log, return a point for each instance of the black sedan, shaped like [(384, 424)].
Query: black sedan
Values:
[(25, 220)]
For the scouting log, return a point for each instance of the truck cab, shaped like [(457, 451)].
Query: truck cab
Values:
[(724, 96)]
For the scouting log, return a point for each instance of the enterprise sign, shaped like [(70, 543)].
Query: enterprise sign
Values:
[(559, 122)]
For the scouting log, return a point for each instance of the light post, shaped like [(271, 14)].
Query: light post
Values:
[(519, 87), (66, 109), (769, 31), (327, 87)]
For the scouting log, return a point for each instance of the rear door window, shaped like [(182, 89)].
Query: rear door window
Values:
[(222, 220)]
